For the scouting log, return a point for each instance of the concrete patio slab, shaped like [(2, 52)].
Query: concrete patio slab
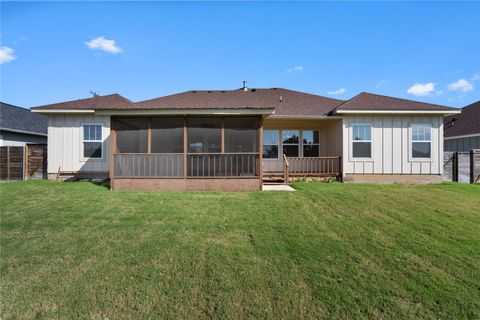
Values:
[(277, 187)]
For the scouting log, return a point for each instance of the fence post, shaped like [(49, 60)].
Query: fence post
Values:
[(8, 163), (455, 167), (472, 166)]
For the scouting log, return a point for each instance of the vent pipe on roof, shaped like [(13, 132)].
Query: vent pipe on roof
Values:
[(245, 88)]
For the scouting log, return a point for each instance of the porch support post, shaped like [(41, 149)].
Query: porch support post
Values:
[(185, 147), (113, 149), (260, 149), (149, 136), (222, 134)]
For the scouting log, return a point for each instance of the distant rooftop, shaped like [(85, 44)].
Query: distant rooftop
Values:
[(19, 119), (465, 123)]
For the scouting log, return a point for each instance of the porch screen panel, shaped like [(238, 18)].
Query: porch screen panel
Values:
[(167, 135), (241, 134), (204, 135), (131, 135)]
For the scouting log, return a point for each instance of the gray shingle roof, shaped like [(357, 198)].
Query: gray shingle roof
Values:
[(467, 122), (370, 101), (20, 119)]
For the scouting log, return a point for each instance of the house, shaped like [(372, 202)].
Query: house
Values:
[(19, 126), (233, 140), (462, 131)]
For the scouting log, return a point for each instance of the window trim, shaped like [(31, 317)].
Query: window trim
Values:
[(82, 140), (299, 143), (309, 144), (411, 141), (350, 135), (279, 135)]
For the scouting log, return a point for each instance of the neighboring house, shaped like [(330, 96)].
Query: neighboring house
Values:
[(234, 139), (19, 126), (462, 131)]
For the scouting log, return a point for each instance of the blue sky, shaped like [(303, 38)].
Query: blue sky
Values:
[(57, 51)]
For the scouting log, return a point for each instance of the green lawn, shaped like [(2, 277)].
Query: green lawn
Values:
[(79, 251)]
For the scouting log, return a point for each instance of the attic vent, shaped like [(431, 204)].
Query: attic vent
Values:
[(223, 91), (253, 90), (194, 91), (274, 88), (209, 91)]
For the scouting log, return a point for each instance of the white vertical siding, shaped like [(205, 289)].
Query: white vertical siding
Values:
[(65, 134), (391, 146)]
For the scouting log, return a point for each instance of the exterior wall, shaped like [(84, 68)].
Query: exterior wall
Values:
[(462, 144), (65, 147), (391, 146), (20, 139)]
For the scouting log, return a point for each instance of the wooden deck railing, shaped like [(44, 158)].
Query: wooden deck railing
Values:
[(223, 165), (286, 166), (142, 165), (198, 165), (315, 166)]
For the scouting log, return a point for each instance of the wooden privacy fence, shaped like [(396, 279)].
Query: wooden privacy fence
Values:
[(462, 166), (18, 163)]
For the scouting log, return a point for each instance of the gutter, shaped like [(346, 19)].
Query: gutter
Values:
[(441, 112), (48, 111), (184, 112), (301, 117)]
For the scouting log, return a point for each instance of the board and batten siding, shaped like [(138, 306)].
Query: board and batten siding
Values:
[(391, 145), (65, 144)]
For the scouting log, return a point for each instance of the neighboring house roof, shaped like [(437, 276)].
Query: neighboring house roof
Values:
[(16, 119), (111, 101), (285, 102), (465, 123), (375, 102)]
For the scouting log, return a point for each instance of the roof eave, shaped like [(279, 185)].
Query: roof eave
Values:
[(33, 133), (370, 111), (50, 111), (146, 112)]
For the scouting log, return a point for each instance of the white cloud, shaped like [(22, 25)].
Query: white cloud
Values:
[(101, 43), (422, 89), (381, 84), (338, 91), (296, 69), (6, 54), (475, 77), (460, 85)]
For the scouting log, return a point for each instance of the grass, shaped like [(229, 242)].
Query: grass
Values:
[(79, 251)]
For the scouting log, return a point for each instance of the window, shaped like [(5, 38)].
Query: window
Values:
[(290, 140), (204, 135), (241, 134), (92, 140), (311, 143), (421, 140), (362, 141), (167, 135), (270, 144)]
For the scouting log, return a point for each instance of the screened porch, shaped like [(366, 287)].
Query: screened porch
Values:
[(186, 147)]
